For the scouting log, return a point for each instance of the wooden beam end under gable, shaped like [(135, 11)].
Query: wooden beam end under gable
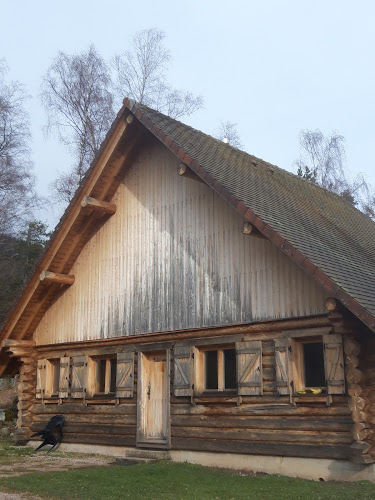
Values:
[(98, 205), (61, 279)]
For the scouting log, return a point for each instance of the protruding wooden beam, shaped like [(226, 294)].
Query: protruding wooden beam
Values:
[(19, 348), (62, 279), (331, 304), (185, 171), (104, 206), (248, 229), (17, 343)]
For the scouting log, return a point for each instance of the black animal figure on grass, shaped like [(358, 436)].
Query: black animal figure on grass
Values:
[(52, 433)]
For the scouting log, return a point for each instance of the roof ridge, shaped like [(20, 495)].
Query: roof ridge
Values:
[(246, 154)]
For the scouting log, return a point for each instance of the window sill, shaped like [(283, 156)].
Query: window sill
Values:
[(50, 400), (216, 397), (101, 401), (103, 395)]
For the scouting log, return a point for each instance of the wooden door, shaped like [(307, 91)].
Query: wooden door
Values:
[(153, 399)]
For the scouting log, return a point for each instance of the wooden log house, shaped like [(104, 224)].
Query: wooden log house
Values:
[(199, 301)]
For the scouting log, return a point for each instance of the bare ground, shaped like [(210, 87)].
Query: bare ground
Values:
[(16, 464), (42, 462)]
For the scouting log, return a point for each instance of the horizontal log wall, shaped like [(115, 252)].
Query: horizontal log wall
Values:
[(275, 429), (91, 422), (318, 432), (267, 424)]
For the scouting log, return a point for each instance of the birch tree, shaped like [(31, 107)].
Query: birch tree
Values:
[(323, 160), (77, 95), (142, 75), (17, 196), (228, 133)]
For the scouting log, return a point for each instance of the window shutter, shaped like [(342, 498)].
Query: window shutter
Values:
[(41, 379), (249, 368), (64, 377), (125, 374), (334, 364), (183, 369), (79, 377), (282, 369)]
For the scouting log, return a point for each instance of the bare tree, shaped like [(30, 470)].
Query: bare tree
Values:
[(17, 198), (228, 133), (77, 95), (142, 76), (323, 161)]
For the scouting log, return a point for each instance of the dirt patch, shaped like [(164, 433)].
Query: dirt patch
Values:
[(17, 496), (59, 461), (17, 461)]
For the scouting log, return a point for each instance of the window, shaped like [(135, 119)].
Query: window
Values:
[(105, 376), (53, 377), (310, 365), (309, 372), (48, 378), (219, 369), (84, 376)]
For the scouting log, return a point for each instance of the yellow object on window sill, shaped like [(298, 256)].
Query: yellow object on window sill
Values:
[(310, 390), (316, 391)]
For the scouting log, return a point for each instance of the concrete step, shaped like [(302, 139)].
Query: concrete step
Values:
[(145, 454)]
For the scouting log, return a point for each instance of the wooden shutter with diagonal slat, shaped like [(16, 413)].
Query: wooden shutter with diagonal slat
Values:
[(182, 360), (41, 379), (64, 377), (125, 374), (282, 368), (79, 376), (249, 368), (334, 364)]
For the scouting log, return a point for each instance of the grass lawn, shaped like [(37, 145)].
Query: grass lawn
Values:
[(166, 480)]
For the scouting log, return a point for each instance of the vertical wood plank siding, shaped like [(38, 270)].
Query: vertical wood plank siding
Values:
[(173, 257)]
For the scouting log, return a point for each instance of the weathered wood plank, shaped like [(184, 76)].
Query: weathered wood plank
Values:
[(103, 429), (264, 410), (66, 409), (113, 440), (269, 374), (268, 362), (90, 418), (338, 424), (256, 435), (258, 331)]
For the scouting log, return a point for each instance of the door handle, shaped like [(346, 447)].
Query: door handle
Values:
[(149, 390)]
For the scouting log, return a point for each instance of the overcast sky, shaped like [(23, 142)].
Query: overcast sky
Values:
[(273, 66)]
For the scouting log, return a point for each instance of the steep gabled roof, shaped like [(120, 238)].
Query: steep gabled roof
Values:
[(320, 231)]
